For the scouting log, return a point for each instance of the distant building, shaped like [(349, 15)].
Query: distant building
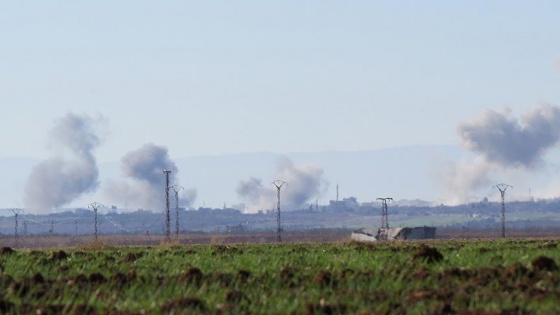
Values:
[(406, 233), (346, 204)]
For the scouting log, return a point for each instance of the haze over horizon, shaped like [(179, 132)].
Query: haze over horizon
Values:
[(218, 79)]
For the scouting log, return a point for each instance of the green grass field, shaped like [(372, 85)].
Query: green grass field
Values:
[(509, 276)]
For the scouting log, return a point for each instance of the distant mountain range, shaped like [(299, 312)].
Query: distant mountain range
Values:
[(404, 173)]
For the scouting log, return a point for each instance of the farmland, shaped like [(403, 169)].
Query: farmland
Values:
[(512, 276)]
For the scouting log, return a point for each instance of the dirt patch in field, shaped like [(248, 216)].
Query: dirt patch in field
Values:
[(543, 263), (6, 307), (457, 273), (287, 272), (427, 254), (120, 278), (6, 250), (483, 276), (345, 273), (235, 297), (193, 275), (84, 309), (79, 279), (225, 250), (324, 278), (96, 277), (420, 273), (49, 309), (325, 308), (59, 255), (37, 279), (130, 257), (183, 304), (288, 277), (224, 279), (516, 270), (243, 275)]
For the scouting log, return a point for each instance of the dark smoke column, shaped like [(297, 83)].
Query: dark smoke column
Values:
[(142, 169), (70, 171), (504, 140)]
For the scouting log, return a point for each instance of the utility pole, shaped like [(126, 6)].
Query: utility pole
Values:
[(167, 218), (94, 206), (278, 184), (177, 189), (502, 188), (384, 231), (25, 228), (16, 213), (336, 204)]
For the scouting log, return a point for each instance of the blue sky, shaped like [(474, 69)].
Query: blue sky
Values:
[(221, 77)]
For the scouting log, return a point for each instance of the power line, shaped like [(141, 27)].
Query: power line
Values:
[(177, 189), (336, 204), (167, 219), (115, 224), (16, 213), (502, 188), (384, 231), (95, 206), (278, 184)]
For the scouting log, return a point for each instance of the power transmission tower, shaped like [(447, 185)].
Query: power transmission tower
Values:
[(16, 213), (167, 218), (384, 231), (177, 189), (336, 204), (95, 206), (278, 184), (502, 188)]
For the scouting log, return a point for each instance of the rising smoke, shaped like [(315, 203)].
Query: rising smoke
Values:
[(503, 139), (71, 170), (304, 185), (501, 142), (145, 182)]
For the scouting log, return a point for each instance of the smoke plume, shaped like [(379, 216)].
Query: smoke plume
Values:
[(145, 181), (303, 185), (502, 139), (70, 171), (501, 142)]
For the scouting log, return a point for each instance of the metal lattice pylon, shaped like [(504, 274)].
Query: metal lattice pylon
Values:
[(167, 218), (502, 188), (177, 189), (95, 206), (384, 230), (278, 184)]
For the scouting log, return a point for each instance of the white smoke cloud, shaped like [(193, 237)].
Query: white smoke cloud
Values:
[(71, 170), (144, 185), (502, 143), (188, 197), (463, 178), (303, 185)]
